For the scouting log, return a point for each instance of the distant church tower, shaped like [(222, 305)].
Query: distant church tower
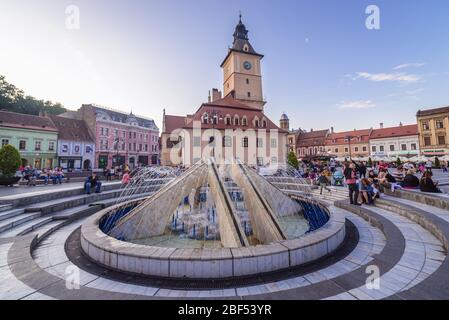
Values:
[(242, 76), (284, 123)]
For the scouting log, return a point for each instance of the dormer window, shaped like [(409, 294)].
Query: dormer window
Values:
[(244, 121), (245, 48), (205, 118), (236, 120)]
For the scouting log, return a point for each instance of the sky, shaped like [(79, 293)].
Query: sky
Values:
[(323, 67)]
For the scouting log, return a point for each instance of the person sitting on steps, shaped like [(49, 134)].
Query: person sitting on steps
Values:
[(427, 185), (93, 182)]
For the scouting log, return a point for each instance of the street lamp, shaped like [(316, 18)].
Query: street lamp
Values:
[(349, 144), (117, 141)]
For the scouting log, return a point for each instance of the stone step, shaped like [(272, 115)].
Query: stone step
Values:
[(48, 207), (18, 220), (26, 227), (5, 207), (49, 228), (44, 194), (10, 213)]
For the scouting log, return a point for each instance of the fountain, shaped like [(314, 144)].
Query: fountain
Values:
[(212, 221)]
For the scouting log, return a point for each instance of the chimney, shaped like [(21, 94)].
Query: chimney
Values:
[(43, 113), (209, 98), (332, 129), (216, 95), (381, 125), (311, 130), (400, 124)]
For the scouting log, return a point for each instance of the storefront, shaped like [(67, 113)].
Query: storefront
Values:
[(103, 161), (71, 163), (143, 160), (39, 160), (435, 152)]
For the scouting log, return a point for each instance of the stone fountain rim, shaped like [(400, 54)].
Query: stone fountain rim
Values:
[(107, 250)]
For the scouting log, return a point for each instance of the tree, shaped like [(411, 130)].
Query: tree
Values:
[(370, 163), (292, 160), (398, 162), (14, 100), (437, 163), (9, 160)]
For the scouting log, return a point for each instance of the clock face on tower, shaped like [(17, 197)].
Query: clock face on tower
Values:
[(247, 65)]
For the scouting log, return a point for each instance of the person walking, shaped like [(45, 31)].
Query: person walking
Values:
[(323, 181), (350, 175)]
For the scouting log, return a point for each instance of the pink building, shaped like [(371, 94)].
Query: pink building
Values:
[(121, 138)]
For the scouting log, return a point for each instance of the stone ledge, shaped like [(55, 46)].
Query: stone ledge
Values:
[(432, 199), (206, 263)]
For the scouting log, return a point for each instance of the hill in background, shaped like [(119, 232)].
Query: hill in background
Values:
[(15, 100)]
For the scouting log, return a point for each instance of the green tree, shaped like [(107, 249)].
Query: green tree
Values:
[(437, 163), (398, 162), (9, 160), (14, 100), (370, 163), (292, 160)]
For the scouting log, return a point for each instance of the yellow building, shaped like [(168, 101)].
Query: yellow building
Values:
[(433, 127)]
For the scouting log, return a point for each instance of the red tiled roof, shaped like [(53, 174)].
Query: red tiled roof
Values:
[(339, 137), (71, 129), (429, 112), (230, 102), (26, 121), (224, 107), (400, 131), (312, 138), (174, 122)]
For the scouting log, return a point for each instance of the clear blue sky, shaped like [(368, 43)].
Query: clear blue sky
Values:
[(322, 66)]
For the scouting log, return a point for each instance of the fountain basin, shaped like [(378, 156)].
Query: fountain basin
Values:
[(216, 263)]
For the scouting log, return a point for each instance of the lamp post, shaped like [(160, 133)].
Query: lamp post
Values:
[(349, 144), (116, 141)]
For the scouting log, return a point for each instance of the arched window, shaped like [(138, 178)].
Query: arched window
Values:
[(256, 122), (244, 121), (264, 123), (236, 120), (205, 118), (228, 120)]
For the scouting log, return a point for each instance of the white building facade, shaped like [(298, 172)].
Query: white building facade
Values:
[(401, 141), (76, 155)]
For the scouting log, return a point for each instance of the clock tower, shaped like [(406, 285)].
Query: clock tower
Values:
[(242, 76)]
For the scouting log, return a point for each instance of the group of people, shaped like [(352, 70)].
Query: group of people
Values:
[(117, 171), (93, 181), (363, 187), (31, 175), (365, 181)]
